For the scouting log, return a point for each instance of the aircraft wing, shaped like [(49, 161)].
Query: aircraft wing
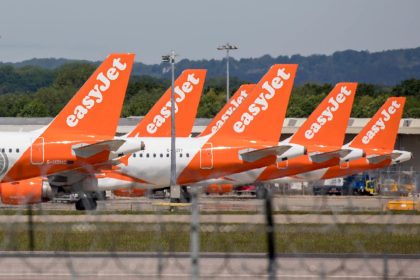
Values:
[(322, 157), (344, 154), (71, 178)]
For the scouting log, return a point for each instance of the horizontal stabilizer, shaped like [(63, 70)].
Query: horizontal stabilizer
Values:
[(251, 155), (345, 154), (322, 157), (85, 151), (374, 159)]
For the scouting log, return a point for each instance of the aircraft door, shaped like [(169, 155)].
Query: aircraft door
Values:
[(37, 151), (206, 156)]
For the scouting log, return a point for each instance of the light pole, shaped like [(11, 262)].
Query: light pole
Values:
[(171, 59), (227, 47)]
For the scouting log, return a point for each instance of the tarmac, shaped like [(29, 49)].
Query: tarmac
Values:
[(64, 265), (226, 203)]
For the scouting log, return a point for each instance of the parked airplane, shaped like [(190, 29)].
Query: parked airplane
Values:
[(81, 136), (377, 139), (188, 88), (322, 134), (242, 143), (186, 127), (230, 107)]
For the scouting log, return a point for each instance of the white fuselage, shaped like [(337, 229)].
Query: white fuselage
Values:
[(151, 168), (12, 146), (153, 164)]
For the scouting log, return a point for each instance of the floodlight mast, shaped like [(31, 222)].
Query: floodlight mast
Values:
[(171, 59), (227, 47)]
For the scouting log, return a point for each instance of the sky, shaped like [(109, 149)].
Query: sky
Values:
[(81, 29)]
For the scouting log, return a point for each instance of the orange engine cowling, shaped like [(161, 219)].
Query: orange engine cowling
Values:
[(219, 188), (129, 192), (29, 191)]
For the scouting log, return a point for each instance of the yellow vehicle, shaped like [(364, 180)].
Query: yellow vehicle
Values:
[(370, 187)]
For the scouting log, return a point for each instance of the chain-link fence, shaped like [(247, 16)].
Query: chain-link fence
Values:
[(287, 232)]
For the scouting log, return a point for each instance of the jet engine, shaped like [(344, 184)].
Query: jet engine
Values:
[(219, 188), (130, 192), (29, 191)]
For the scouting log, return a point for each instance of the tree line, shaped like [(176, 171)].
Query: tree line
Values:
[(38, 92), (388, 67)]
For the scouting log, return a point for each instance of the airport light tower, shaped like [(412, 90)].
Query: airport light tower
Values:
[(171, 59), (227, 47)]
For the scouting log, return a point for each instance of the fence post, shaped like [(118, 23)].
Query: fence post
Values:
[(31, 239), (195, 234), (386, 271), (270, 234)]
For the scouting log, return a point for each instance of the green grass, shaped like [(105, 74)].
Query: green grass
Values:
[(174, 237)]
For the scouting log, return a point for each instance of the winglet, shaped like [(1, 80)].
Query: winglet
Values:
[(262, 114), (382, 129), (235, 101), (188, 88), (95, 109), (328, 122)]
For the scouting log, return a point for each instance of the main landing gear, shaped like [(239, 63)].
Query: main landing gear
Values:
[(86, 202), (180, 194)]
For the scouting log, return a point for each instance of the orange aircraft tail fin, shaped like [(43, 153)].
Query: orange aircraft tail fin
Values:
[(235, 101), (188, 88), (328, 122), (382, 129), (261, 115), (95, 109)]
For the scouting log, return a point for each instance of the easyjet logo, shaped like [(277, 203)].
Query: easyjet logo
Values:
[(165, 112), (328, 114), (380, 124), (261, 103), (95, 95), (235, 104)]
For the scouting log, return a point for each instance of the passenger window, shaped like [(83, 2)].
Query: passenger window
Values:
[(17, 150), (167, 155), (147, 155), (154, 155), (187, 154), (180, 155), (134, 155), (141, 155), (161, 155), (10, 150), (2, 150)]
